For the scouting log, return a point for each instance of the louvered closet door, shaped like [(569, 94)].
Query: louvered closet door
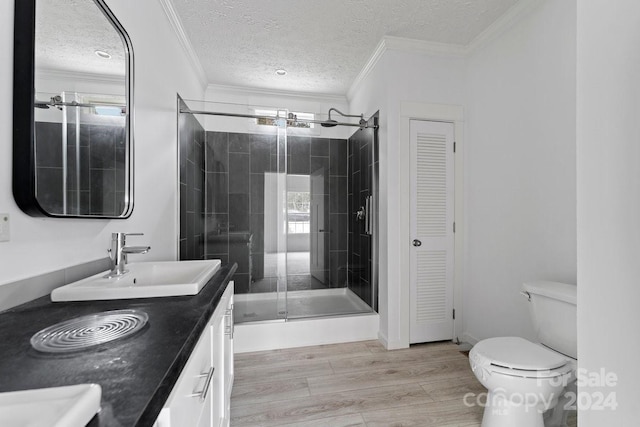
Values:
[(432, 256)]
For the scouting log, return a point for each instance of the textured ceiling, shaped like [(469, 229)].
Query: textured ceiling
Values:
[(323, 44), (68, 32)]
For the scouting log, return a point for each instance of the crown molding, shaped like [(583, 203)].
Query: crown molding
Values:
[(178, 28), (502, 24), (50, 74), (424, 47), (401, 44), (380, 49), (506, 21), (253, 91)]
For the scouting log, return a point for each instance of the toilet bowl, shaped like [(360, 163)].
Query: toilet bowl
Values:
[(523, 380), (526, 379)]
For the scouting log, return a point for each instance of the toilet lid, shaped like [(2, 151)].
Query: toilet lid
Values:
[(518, 353)]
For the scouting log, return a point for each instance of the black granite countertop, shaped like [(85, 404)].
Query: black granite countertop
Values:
[(136, 373)]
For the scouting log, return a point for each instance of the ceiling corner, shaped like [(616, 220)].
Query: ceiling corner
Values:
[(378, 52), (506, 21), (178, 28), (408, 45)]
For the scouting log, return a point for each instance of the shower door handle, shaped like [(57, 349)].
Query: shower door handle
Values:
[(417, 242), (368, 218)]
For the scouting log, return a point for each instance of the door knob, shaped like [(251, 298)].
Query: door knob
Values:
[(417, 242)]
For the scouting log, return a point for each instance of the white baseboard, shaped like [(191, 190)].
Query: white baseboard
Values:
[(260, 336), (469, 339), (383, 340), (391, 345)]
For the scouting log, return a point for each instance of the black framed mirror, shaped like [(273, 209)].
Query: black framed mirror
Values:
[(72, 110)]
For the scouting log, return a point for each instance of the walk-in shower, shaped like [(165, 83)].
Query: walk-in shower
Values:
[(292, 203)]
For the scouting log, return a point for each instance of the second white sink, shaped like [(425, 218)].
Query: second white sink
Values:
[(67, 406), (144, 280)]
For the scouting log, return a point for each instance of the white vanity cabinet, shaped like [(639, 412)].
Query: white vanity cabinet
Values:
[(222, 329), (201, 397), (228, 359)]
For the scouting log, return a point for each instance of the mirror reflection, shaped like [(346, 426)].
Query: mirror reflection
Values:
[(82, 111)]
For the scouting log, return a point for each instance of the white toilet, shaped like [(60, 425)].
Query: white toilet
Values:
[(525, 379)]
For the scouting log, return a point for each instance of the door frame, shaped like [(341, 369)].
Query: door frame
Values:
[(437, 113)]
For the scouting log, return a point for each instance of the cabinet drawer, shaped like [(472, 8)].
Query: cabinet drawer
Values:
[(187, 400)]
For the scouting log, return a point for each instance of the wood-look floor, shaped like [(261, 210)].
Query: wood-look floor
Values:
[(354, 384)]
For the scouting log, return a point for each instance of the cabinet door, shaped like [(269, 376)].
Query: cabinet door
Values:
[(188, 400), (217, 382), (228, 354), (210, 369)]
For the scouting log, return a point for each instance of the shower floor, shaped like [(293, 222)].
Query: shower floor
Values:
[(298, 304)]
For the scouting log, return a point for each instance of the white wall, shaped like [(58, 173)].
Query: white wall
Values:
[(161, 70), (371, 96), (518, 89), (520, 203), (400, 76), (608, 134)]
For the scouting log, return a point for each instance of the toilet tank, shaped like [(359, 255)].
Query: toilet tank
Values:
[(552, 307)]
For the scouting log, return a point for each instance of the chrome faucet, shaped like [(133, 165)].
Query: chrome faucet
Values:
[(118, 253)]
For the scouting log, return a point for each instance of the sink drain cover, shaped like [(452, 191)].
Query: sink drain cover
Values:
[(89, 331)]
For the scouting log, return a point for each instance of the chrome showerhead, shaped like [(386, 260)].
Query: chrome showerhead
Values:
[(329, 123)]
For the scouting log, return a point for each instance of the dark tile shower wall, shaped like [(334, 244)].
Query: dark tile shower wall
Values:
[(102, 168), (229, 208), (235, 179), (361, 174), (191, 138)]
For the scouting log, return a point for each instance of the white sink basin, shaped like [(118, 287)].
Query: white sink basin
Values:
[(67, 406), (144, 280)]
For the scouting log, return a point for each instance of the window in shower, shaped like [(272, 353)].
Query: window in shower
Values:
[(298, 212), (270, 117)]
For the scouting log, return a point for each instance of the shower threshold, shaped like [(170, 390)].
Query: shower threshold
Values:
[(267, 306)]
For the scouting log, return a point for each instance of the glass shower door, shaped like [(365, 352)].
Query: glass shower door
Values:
[(281, 218)]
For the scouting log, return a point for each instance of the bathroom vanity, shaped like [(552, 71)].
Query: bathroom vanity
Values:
[(202, 394), (157, 376)]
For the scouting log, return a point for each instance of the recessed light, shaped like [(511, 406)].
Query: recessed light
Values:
[(102, 54), (281, 72)]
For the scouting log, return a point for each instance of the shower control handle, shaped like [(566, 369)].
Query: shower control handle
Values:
[(417, 242)]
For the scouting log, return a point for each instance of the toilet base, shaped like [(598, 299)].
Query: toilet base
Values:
[(501, 412)]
